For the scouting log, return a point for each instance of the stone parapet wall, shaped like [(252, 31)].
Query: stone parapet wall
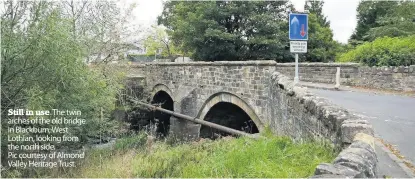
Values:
[(298, 115), (303, 115), (216, 63), (390, 78)]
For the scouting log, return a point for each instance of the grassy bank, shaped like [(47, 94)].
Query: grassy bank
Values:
[(226, 157)]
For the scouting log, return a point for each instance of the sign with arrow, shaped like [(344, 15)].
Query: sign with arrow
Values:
[(298, 33), (298, 26)]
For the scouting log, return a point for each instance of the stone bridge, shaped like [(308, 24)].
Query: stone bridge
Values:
[(260, 98), (255, 88), (197, 87)]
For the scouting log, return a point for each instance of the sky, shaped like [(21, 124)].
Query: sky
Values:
[(340, 13)]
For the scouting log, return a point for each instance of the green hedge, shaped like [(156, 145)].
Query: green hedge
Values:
[(385, 51)]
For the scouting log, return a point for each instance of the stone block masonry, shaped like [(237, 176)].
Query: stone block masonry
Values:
[(356, 161), (195, 87), (389, 78)]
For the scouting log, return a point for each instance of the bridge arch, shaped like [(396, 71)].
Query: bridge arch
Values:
[(161, 96), (161, 87), (229, 100)]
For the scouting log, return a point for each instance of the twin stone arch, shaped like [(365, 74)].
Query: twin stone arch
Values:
[(215, 99)]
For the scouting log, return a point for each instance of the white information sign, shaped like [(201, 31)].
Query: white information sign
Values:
[(298, 46)]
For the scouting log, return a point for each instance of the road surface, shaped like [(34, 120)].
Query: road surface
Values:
[(392, 117)]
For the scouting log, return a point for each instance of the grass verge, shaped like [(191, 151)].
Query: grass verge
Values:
[(276, 157)]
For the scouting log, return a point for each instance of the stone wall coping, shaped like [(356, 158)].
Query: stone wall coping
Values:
[(215, 63), (263, 63), (319, 64)]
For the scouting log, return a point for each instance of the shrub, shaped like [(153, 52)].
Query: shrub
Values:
[(385, 51)]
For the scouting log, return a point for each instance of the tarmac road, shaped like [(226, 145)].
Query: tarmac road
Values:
[(393, 119)]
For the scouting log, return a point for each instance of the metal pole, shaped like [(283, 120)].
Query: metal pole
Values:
[(196, 120), (296, 79)]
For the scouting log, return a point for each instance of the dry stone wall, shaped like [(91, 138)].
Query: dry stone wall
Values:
[(390, 78)]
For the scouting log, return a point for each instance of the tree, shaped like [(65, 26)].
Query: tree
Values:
[(100, 27), (321, 47), (158, 39), (368, 13), (316, 7), (400, 22), (384, 34), (229, 30), (43, 68)]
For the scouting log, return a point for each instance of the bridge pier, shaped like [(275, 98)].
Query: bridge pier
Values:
[(183, 130)]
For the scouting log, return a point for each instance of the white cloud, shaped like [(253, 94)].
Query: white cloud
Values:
[(342, 17), (142, 17), (147, 11), (298, 5)]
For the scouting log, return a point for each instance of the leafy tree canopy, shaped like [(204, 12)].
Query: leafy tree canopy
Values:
[(43, 68), (316, 7), (399, 22), (229, 30), (159, 42), (368, 15), (321, 46)]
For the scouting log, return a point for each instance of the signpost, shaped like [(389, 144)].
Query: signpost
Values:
[(298, 34)]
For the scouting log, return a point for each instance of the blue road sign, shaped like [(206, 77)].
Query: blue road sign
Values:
[(298, 26)]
